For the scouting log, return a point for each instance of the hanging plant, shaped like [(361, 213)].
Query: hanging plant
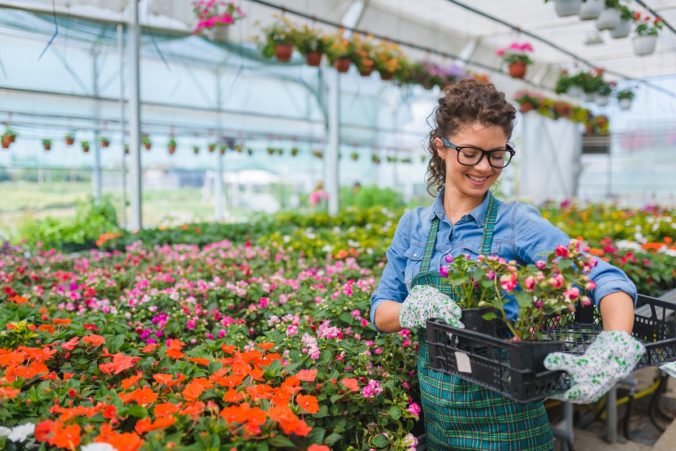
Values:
[(211, 147), (375, 159), (623, 28), (147, 143), (196, 149), (309, 42), (610, 17), (566, 8), (250, 151), (603, 94), (171, 146), (516, 57), (126, 149), (105, 142), (389, 60), (294, 151), (354, 156), (527, 101), (47, 144), (8, 138), (270, 150), (237, 148), (625, 97), (69, 138), (85, 146), (222, 148), (215, 15), (591, 9), (340, 52), (279, 40), (318, 153), (363, 54), (647, 30)]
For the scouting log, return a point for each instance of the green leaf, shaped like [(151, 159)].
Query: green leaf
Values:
[(380, 441), (489, 316), (394, 412), (333, 438), (137, 411), (280, 441)]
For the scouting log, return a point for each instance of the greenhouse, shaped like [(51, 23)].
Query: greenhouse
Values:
[(337, 224)]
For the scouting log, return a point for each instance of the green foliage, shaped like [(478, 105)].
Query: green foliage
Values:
[(370, 196)]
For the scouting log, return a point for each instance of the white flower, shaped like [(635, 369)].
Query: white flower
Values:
[(4, 432), (98, 447), (20, 433)]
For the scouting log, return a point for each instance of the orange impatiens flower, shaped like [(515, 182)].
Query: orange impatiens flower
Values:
[(57, 434), (260, 391), (318, 448), (307, 375), (61, 321), (147, 349), (165, 409), (18, 299), (94, 340), (142, 396), (233, 396), (351, 384), (266, 346), (307, 403), (70, 344), (120, 363), (127, 441), (9, 392), (288, 421), (195, 388), (147, 425), (131, 381), (46, 328), (194, 409), (199, 360)]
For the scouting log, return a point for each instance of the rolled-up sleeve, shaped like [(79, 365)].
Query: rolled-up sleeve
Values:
[(392, 286), (534, 237)]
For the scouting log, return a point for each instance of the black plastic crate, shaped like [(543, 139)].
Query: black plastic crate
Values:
[(515, 369)]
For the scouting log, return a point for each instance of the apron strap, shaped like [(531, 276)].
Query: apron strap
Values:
[(429, 247), (486, 240), (489, 226)]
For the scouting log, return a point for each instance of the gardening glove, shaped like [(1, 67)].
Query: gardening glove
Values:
[(610, 357), (425, 302), (669, 368)]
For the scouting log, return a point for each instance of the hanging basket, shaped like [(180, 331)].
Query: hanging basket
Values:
[(608, 19), (171, 149), (566, 8), (625, 104), (6, 141), (517, 70), (386, 75), (365, 67), (575, 91), (602, 100), (644, 45), (342, 64), (591, 9), (283, 52), (526, 107), (313, 59), (622, 30)]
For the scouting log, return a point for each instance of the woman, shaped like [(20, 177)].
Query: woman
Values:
[(469, 148)]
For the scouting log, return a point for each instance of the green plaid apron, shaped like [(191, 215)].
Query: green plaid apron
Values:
[(462, 415)]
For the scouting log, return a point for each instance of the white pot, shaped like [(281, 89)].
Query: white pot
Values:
[(625, 104), (609, 18), (565, 8), (644, 45), (622, 30), (219, 33), (589, 96), (602, 100), (591, 9), (575, 91)]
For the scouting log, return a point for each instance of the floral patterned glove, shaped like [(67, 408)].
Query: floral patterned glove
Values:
[(610, 357), (669, 368), (425, 302)]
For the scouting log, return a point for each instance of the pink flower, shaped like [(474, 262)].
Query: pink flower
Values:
[(530, 283), (586, 301), (539, 304), (443, 271), (590, 286), (572, 293), (449, 259), (508, 282), (371, 389), (500, 52), (556, 281), (291, 331), (490, 275), (191, 324), (561, 251), (540, 264), (414, 409)]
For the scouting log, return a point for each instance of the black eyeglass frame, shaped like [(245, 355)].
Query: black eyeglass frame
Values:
[(458, 149)]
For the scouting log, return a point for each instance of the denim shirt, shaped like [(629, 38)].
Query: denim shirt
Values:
[(520, 234)]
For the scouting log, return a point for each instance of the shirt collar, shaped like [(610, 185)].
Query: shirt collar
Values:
[(478, 214)]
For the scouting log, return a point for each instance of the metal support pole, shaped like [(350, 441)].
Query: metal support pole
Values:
[(220, 189), (123, 167), (96, 169), (331, 158), (611, 416), (135, 117)]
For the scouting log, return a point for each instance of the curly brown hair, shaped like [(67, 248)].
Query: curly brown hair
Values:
[(463, 103)]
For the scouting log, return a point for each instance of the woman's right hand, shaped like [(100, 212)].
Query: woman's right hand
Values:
[(424, 302)]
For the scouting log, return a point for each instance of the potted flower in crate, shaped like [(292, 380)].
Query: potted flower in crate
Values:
[(388, 59), (363, 54), (215, 16), (309, 42), (647, 30), (516, 57), (340, 52), (279, 40), (625, 97), (47, 144)]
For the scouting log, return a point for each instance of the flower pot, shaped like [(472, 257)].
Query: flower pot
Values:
[(565, 8), (385, 75), (365, 71), (6, 141), (644, 45), (530, 355), (171, 149), (625, 104), (342, 64), (218, 33), (575, 91), (591, 9), (85, 149), (517, 70), (313, 59), (70, 141), (621, 30), (589, 96), (608, 19), (283, 52), (525, 107), (602, 100), (147, 145), (47, 147), (105, 143)]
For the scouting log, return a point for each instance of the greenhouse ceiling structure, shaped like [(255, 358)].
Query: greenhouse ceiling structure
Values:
[(152, 36)]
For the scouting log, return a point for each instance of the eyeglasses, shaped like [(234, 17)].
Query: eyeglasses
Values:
[(471, 156)]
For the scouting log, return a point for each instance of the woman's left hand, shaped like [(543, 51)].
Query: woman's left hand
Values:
[(611, 357)]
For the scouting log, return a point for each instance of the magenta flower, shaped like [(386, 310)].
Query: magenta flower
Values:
[(508, 282), (561, 251), (443, 271), (414, 409), (530, 283), (572, 293)]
